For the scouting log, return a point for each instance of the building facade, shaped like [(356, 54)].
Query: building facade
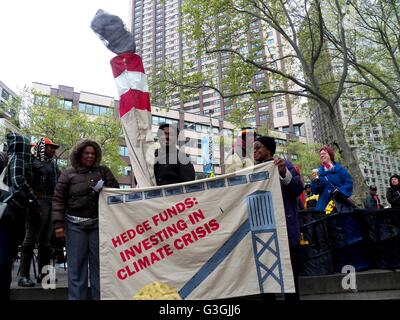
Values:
[(195, 127), (6, 113)]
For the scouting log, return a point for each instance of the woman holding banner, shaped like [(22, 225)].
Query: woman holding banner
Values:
[(292, 187), (75, 214)]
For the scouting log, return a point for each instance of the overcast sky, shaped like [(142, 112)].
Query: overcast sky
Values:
[(50, 41)]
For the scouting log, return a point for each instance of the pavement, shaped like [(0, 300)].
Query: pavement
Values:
[(52, 290), (371, 285)]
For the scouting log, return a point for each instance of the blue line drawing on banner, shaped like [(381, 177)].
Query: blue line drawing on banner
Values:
[(173, 191), (215, 260), (115, 199), (262, 222), (258, 176), (151, 194), (195, 187), (235, 180), (135, 196), (220, 183)]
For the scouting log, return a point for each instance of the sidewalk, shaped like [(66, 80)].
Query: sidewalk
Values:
[(37, 292), (371, 285)]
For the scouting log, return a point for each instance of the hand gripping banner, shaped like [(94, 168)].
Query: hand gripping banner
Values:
[(207, 239)]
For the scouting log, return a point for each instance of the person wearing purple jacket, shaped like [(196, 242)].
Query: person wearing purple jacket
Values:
[(292, 187)]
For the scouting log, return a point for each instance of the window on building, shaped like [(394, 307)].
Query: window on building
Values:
[(296, 129), (65, 104), (279, 114), (5, 95), (41, 100), (93, 109), (280, 142), (123, 151), (189, 125), (156, 120)]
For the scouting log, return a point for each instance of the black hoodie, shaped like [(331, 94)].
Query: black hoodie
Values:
[(19, 171)]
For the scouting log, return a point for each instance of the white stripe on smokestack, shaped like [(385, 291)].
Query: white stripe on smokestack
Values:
[(131, 80)]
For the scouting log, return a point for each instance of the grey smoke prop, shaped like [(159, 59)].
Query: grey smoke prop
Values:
[(111, 30)]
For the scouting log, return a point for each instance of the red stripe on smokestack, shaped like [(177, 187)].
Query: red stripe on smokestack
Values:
[(134, 99), (126, 61)]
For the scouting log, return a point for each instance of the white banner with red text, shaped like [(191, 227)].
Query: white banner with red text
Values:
[(214, 238)]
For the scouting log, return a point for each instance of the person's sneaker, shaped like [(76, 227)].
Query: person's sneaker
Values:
[(25, 282)]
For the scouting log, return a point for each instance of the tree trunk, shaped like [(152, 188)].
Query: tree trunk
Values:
[(359, 187)]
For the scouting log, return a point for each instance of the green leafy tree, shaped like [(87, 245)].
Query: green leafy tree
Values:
[(307, 157), (224, 31), (45, 116)]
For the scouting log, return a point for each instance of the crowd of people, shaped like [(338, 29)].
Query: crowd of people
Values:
[(65, 204)]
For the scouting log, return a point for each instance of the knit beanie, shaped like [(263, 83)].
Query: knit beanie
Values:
[(390, 181), (268, 142)]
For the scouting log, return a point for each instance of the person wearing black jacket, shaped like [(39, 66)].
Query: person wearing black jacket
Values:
[(372, 202), (75, 211), (393, 192), (19, 177), (171, 165), (38, 230)]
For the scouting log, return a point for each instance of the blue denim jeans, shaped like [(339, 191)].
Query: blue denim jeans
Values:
[(82, 252)]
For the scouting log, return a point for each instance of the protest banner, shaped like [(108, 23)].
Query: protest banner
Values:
[(207, 239)]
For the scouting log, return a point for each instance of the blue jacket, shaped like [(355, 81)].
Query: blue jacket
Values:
[(290, 192), (337, 177)]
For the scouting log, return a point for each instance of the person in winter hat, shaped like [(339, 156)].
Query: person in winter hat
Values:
[(393, 192), (45, 175)]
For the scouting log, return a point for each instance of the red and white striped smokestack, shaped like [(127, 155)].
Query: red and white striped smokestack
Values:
[(135, 114)]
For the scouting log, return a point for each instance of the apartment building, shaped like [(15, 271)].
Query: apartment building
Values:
[(6, 113)]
